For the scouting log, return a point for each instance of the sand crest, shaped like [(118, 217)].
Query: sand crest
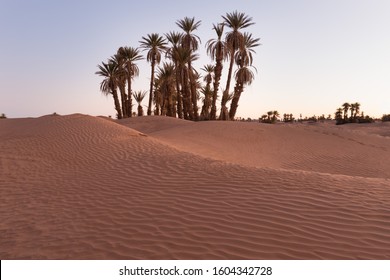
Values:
[(81, 187)]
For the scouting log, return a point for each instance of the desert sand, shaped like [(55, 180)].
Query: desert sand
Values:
[(82, 187)]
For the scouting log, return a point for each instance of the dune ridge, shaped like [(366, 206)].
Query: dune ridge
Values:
[(81, 187)]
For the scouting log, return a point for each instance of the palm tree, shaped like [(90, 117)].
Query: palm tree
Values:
[(357, 110), (244, 76), (352, 109), (166, 85), (110, 71), (139, 96), (129, 56), (182, 57), (235, 39), (269, 115), (346, 107), (339, 114), (121, 82), (216, 49), (190, 42), (155, 45), (209, 69), (175, 38), (275, 115)]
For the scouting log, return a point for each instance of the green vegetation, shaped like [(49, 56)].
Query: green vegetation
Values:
[(175, 86), (342, 116), (270, 117), (3, 116)]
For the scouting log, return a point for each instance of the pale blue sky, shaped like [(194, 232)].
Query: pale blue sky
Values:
[(315, 55)]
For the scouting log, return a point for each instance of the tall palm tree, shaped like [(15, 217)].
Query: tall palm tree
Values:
[(244, 76), (235, 40), (155, 45), (166, 85), (346, 107), (129, 56), (139, 96), (174, 38), (121, 81), (110, 72), (191, 42), (216, 49), (182, 57), (208, 78)]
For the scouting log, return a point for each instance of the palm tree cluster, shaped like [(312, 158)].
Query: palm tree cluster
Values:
[(118, 72), (342, 116), (288, 118), (270, 117), (176, 86)]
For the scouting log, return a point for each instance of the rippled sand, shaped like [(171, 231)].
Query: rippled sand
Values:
[(82, 187)]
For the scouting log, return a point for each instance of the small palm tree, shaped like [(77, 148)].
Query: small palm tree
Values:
[(352, 109), (139, 96), (155, 45), (357, 110), (346, 107), (275, 115), (269, 115)]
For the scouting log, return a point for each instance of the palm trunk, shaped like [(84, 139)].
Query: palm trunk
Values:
[(129, 95), (205, 114), (187, 97), (229, 78), (218, 74), (179, 96), (122, 91), (239, 88), (194, 97), (117, 104), (151, 88), (224, 115)]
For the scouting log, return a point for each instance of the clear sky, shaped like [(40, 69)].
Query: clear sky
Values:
[(315, 55)]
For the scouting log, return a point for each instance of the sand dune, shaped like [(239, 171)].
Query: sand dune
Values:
[(352, 150), (81, 187)]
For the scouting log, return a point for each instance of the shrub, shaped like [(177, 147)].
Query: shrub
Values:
[(386, 118)]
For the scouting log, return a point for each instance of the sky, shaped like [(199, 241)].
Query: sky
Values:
[(314, 55)]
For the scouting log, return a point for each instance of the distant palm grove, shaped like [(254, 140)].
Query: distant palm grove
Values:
[(176, 88)]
